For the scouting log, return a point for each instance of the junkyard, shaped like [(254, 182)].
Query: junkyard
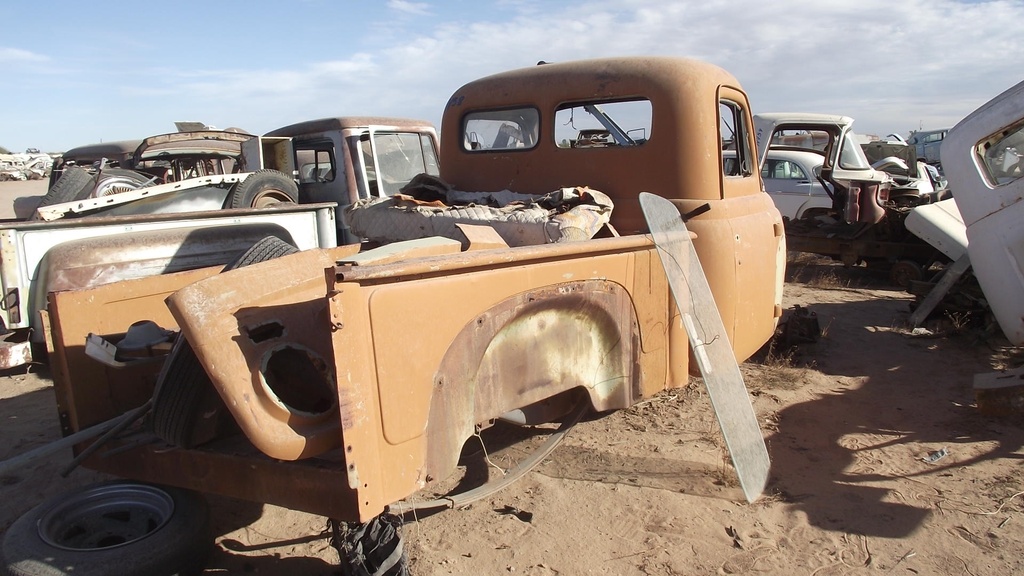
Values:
[(539, 344), (649, 490)]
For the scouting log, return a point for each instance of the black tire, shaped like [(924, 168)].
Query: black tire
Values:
[(187, 410), (263, 188), (111, 528), (77, 184), (74, 182)]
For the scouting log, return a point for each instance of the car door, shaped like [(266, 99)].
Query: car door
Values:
[(788, 183)]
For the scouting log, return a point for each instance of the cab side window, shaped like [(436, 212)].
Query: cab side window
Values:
[(316, 163), (733, 134)]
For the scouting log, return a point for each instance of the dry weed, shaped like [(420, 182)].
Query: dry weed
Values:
[(778, 371), (828, 279)]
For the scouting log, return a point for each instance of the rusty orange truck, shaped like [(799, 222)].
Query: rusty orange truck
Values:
[(341, 381)]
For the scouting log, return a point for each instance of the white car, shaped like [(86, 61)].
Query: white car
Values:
[(791, 177)]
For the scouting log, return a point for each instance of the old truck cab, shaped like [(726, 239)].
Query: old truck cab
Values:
[(664, 124), (347, 158)]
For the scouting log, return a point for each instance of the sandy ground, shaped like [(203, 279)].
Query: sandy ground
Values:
[(26, 190), (649, 491)]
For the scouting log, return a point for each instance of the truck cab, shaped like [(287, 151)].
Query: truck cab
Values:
[(345, 159), (663, 126)]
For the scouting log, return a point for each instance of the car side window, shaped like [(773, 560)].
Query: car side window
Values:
[(783, 170), (316, 162)]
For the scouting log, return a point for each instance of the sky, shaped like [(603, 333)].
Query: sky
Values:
[(80, 73)]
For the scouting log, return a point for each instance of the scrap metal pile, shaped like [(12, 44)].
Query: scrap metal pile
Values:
[(27, 166)]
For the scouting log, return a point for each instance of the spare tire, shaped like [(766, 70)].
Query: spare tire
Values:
[(264, 188), (77, 184), (116, 180), (73, 182), (187, 410), (111, 528)]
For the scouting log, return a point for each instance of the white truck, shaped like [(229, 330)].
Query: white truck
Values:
[(982, 227), (189, 200)]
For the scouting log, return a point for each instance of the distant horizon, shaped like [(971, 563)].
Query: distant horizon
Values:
[(891, 67)]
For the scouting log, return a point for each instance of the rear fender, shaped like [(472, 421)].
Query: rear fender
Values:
[(529, 348)]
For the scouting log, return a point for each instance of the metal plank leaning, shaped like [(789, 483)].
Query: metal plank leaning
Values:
[(710, 343), (949, 277)]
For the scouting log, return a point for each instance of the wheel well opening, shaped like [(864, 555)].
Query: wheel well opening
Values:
[(300, 380)]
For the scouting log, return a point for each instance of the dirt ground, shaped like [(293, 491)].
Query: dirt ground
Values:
[(848, 422)]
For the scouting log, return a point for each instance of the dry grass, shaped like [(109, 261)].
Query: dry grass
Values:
[(776, 370), (828, 279)]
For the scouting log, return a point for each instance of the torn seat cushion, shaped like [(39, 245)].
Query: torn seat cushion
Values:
[(520, 219)]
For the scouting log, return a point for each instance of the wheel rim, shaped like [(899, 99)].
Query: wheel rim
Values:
[(115, 185), (269, 198), (106, 517)]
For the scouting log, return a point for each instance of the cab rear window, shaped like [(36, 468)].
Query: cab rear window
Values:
[(510, 129)]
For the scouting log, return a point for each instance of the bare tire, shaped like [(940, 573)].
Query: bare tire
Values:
[(187, 410), (264, 188), (71, 184), (111, 528)]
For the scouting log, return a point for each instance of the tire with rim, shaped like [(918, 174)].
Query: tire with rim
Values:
[(187, 410), (72, 183), (904, 272), (111, 528), (116, 180), (263, 188), (77, 184)]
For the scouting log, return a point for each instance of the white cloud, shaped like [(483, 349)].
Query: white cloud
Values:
[(414, 8), (18, 56), (891, 66)]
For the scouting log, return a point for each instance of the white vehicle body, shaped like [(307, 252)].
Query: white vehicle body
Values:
[(940, 225), (984, 169), (844, 163), (791, 178)]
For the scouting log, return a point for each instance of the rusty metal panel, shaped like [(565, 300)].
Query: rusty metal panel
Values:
[(387, 435), (742, 250), (87, 392), (532, 347), (232, 468), (263, 335), (655, 313)]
